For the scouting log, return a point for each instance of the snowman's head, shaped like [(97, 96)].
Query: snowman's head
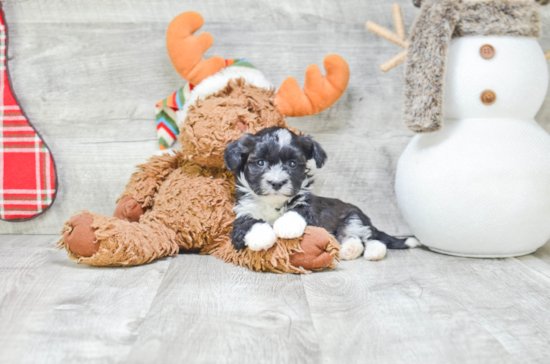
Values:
[(447, 69), (510, 84), (493, 67)]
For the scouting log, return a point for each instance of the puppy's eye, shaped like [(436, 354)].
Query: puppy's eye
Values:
[(292, 164), (260, 163)]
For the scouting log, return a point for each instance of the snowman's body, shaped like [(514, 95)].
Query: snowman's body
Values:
[(481, 185)]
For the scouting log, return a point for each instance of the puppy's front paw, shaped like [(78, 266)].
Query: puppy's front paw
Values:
[(260, 237), (375, 250), (290, 225), (352, 248)]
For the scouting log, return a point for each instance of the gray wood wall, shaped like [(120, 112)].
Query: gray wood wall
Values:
[(88, 74)]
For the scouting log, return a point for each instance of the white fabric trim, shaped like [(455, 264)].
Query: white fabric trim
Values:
[(217, 82)]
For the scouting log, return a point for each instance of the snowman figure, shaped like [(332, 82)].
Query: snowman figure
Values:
[(475, 180)]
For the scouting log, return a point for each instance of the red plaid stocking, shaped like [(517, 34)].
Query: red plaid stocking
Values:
[(28, 182)]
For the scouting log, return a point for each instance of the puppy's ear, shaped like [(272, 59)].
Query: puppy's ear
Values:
[(236, 152), (313, 151)]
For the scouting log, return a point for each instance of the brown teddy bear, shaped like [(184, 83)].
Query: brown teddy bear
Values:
[(184, 200)]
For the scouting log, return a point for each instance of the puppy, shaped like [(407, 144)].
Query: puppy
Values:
[(274, 197)]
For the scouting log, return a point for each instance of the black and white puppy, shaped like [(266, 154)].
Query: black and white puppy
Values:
[(274, 197)]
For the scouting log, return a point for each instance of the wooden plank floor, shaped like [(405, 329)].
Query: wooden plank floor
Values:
[(413, 307)]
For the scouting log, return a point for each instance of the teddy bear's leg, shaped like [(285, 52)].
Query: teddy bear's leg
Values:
[(313, 251), (108, 241), (129, 209)]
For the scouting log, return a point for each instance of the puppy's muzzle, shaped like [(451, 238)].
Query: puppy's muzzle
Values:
[(276, 185)]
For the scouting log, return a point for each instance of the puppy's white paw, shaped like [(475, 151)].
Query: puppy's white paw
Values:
[(412, 242), (375, 250), (352, 248), (260, 237), (290, 225)]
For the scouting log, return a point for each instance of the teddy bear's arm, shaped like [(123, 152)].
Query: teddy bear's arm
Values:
[(144, 183)]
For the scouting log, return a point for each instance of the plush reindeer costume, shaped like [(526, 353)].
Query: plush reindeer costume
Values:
[(184, 200)]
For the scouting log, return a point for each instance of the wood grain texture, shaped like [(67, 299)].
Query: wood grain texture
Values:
[(89, 73), (413, 307), (420, 307), (53, 310), (207, 311)]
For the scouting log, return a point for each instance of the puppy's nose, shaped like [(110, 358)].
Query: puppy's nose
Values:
[(277, 184)]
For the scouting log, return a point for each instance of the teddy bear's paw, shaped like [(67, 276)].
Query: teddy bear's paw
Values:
[(80, 237), (128, 209), (290, 225), (375, 250), (260, 237), (352, 248), (317, 251)]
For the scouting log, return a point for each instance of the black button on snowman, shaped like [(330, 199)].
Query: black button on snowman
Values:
[(475, 180)]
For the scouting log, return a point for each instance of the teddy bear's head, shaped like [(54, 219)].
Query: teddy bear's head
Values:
[(211, 124), (231, 97)]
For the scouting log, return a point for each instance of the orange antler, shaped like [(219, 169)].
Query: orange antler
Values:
[(319, 92), (400, 38), (186, 51)]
